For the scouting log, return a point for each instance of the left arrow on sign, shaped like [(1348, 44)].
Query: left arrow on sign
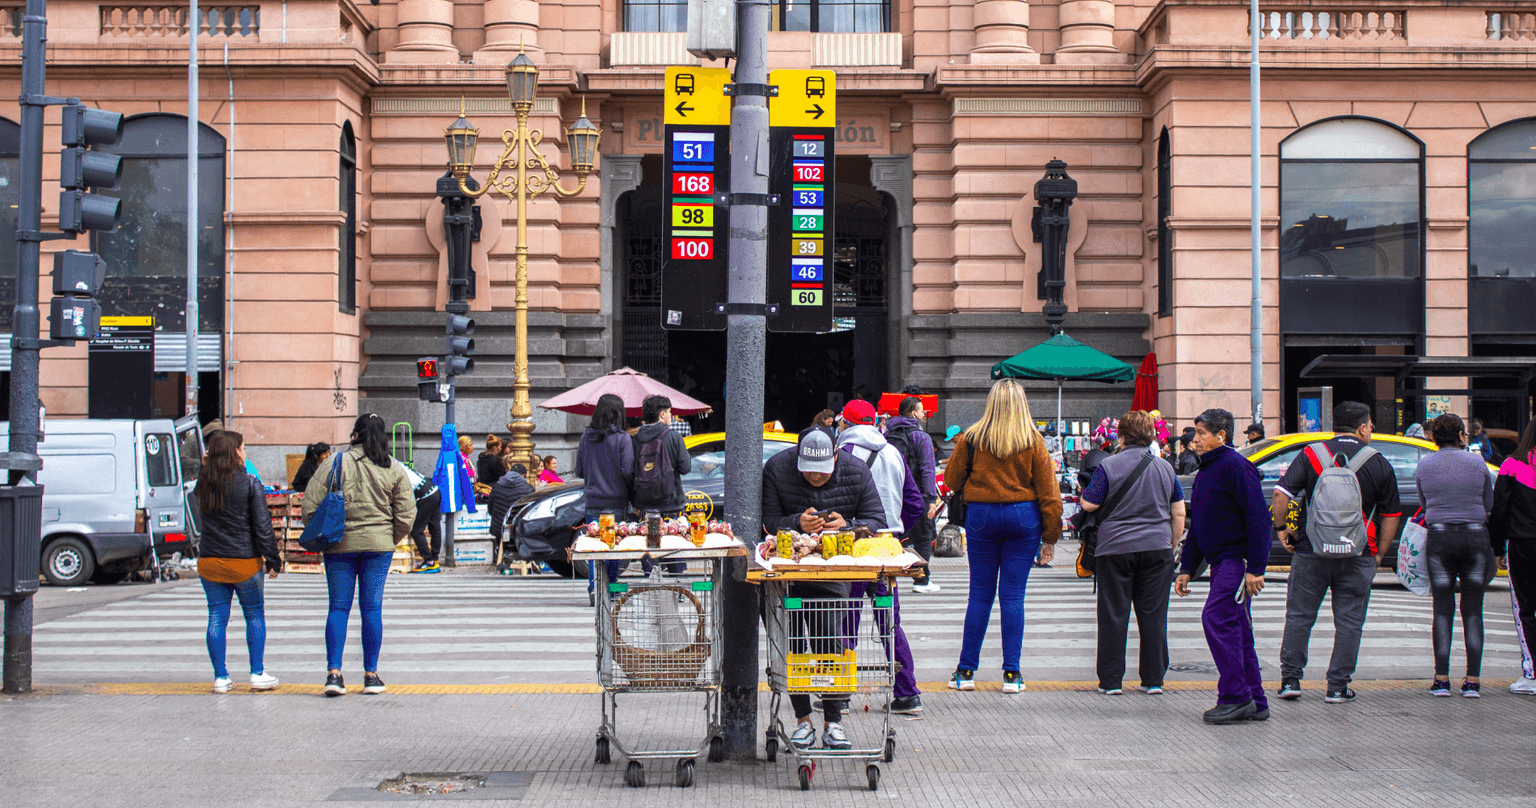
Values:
[(683, 109)]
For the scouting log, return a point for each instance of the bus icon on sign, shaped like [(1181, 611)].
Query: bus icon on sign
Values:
[(815, 87), (683, 84)]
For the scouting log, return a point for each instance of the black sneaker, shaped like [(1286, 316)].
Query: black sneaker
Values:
[(1440, 687), (1290, 689), (372, 684), (1339, 696), (1471, 690), (910, 705), (1230, 713), (334, 686)]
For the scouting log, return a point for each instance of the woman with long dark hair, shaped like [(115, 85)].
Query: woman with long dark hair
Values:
[(1457, 494), (605, 459), (1512, 526), (314, 455), (380, 511), (237, 538)]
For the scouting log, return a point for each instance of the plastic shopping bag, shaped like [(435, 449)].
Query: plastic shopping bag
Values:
[(1412, 566)]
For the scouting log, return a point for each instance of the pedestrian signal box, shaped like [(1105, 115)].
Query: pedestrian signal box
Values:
[(426, 379)]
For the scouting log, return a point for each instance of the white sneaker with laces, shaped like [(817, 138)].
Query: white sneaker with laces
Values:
[(803, 736), (835, 737), (222, 684), (925, 589), (263, 681), (1524, 685)]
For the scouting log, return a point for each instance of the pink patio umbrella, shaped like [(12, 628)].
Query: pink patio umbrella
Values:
[(628, 384)]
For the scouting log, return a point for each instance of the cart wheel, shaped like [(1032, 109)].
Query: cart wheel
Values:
[(716, 749), (772, 749), (603, 753), (684, 773), (890, 749), (634, 776), (873, 773), (805, 778)]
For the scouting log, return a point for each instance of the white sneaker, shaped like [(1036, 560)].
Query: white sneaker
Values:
[(835, 737), (263, 681), (1524, 685), (924, 589), (222, 684), (803, 736)]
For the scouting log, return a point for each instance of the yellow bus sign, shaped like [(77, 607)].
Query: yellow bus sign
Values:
[(695, 96), (807, 98)]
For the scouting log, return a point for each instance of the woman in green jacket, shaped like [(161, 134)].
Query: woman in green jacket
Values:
[(380, 511)]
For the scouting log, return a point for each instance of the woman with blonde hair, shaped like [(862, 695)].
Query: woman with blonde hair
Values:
[(1003, 471)]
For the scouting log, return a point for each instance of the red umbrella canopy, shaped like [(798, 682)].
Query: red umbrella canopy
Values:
[(1145, 397), (628, 384)]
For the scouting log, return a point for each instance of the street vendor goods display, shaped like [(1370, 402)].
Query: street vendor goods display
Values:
[(674, 534), (830, 549)]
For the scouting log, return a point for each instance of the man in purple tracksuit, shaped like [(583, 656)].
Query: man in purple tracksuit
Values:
[(1228, 527)]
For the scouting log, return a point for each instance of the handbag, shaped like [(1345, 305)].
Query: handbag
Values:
[(328, 524), (1088, 531), (956, 501), (1412, 565)]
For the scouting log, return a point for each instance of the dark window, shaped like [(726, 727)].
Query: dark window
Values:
[(1501, 191), (10, 190), (147, 254), (654, 16), (833, 16), (1164, 210), (160, 460), (346, 291), (1351, 202)]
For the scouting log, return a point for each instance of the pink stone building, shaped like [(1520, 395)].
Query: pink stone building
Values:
[(1399, 197)]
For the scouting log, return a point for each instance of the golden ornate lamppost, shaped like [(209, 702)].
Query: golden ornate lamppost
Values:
[(520, 155)]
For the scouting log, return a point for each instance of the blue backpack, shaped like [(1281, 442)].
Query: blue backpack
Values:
[(328, 524)]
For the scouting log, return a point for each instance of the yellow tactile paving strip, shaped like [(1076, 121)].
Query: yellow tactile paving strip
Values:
[(199, 688)]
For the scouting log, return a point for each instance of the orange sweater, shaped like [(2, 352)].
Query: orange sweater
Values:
[(1028, 476)]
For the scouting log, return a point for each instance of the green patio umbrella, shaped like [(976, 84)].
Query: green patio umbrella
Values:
[(1062, 358)]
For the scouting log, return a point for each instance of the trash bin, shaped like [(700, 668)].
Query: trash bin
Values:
[(21, 531)]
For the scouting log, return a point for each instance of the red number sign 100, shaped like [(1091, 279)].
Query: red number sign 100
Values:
[(693, 249), (693, 183)]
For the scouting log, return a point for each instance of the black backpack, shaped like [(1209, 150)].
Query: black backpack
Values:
[(901, 438), (655, 479)]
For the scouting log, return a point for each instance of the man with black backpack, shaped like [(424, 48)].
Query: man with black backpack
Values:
[(661, 460), (905, 432), (1350, 515)]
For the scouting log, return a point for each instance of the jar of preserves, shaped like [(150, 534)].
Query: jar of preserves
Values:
[(785, 544), (607, 529), (697, 528)]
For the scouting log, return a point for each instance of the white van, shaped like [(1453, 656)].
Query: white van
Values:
[(116, 494)]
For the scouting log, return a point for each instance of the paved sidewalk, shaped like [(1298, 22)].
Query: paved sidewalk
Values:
[(1062, 748)]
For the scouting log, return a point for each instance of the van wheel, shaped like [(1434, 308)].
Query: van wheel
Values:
[(108, 577), (68, 562)]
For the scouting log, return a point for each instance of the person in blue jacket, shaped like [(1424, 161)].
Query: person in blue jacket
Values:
[(1229, 528)]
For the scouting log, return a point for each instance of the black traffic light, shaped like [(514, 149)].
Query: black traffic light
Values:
[(81, 169), (460, 347), (426, 379), (77, 278)]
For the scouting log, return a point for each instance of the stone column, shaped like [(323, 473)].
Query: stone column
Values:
[(1088, 33), (510, 26), (1002, 33), (426, 33)]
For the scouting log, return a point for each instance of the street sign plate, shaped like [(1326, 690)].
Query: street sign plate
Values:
[(807, 98), (695, 96)]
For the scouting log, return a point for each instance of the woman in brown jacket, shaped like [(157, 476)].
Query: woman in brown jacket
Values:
[(1013, 504)]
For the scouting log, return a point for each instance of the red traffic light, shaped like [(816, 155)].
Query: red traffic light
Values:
[(426, 368)]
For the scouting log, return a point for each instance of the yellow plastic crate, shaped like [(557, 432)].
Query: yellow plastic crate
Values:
[(823, 673)]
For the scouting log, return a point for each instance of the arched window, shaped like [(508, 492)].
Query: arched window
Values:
[(346, 292), (10, 191), (147, 254), (1501, 197), (1351, 201), (1164, 210)]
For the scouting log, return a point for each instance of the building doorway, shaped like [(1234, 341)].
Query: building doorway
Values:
[(804, 373)]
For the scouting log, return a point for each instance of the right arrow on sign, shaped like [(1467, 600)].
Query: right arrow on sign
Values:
[(815, 111)]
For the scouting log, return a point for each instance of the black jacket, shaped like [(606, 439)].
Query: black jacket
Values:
[(1189, 462), (508, 491), (243, 527), (682, 463), (1513, 518), (606, 462), (851, 492), (489, 468)]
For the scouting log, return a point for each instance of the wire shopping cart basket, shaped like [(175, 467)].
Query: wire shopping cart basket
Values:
[(834, 648), (659, 634)]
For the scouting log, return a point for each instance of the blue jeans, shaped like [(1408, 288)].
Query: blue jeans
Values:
[(344, 572), (1001, 543), (615, 568), (251, 602)]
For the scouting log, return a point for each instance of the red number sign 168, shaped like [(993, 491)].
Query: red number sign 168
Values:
[(693, 183)]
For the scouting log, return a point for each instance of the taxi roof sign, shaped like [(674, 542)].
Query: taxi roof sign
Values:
[(695, 96), (807, 98)]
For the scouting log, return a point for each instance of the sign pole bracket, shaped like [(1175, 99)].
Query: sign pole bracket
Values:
[(745, 88)]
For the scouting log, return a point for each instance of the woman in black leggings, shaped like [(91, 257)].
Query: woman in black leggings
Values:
[(1457, 492)]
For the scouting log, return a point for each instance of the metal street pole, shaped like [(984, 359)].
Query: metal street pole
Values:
[(456, 222), (1256, 306), (746, 339), (26, 418), (192, 210)]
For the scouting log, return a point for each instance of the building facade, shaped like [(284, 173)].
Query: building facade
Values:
[(1398, 151)]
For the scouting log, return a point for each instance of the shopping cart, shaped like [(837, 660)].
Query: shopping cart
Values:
[(659, 634), (833, 647)]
